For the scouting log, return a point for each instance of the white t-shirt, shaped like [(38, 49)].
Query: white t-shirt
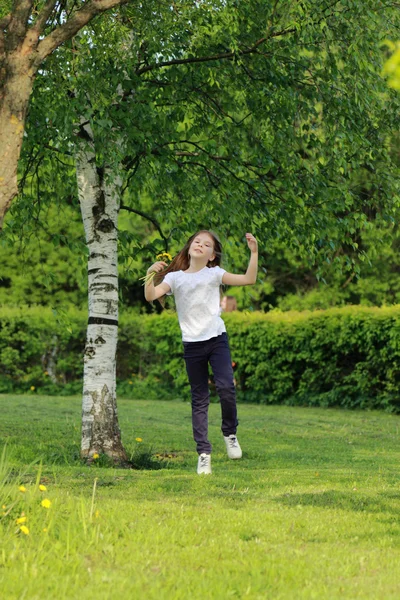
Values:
[(197, 301)]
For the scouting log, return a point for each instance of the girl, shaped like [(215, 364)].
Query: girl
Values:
[(194, 277)]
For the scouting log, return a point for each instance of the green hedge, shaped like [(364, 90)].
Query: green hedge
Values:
[(347, 357)]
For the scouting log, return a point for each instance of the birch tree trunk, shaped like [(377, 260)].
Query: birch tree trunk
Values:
[(99, 200)]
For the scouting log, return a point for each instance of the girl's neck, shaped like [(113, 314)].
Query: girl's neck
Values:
[(195, 266)]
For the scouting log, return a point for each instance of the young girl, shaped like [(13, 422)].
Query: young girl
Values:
[(194, 277)]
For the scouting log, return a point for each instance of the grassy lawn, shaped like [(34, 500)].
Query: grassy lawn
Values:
[(311, 511)]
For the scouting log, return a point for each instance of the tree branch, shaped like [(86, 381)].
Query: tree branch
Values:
[(222, 56), (5, 21), (209, 173), (149, 218), (43, 17), (78, 20), (18, 23)]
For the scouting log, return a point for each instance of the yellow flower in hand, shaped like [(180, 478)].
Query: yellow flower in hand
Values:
[(164, 256)]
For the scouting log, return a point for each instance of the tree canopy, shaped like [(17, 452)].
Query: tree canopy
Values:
[(270, 117)]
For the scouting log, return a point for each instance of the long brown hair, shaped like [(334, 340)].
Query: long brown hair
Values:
[(181, 262)]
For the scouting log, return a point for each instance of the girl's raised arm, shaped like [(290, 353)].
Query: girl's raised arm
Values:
[(250, 276), (152, 292)]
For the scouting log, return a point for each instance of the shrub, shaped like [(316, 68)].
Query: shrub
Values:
[(347, 357)]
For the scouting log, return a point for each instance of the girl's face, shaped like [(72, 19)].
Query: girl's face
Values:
[(202, 247)]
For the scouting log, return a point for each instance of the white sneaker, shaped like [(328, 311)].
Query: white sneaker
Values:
[(232, 446), (204, 464)]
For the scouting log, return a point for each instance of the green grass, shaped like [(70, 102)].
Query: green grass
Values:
[(311, 511)]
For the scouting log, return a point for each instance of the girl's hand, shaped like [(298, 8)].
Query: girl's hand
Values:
[(251, 242), (157, 266)]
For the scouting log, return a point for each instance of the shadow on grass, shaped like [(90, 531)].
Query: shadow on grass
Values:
[(332, 499)]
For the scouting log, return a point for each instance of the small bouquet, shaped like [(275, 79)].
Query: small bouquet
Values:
[(164, 256)]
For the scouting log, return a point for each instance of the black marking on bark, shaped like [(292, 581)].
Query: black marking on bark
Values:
[(93, 271), (97, 255), (104, 287), (90, 352), (105, 225), (102, 321), (100, 173), (83, 134), (99, 207), (99, 340)]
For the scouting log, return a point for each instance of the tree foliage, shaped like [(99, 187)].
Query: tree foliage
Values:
[(269, 117)]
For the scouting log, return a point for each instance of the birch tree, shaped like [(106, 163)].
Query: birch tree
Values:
[(99, 196)]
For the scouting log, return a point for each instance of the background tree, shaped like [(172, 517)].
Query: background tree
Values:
[(30, 30)]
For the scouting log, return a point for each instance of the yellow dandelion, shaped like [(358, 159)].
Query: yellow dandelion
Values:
[(42, 488), (46, 503), (97, 514), (22, 489), (24, 530), (130, 382), (96, 456), (164, 256), (46, 372), (45, 529), (20, 520), (4, 507), (139, 440), (32, 388)]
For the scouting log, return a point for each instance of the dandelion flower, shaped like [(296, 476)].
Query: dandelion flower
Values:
[(96, 456), (164, 256), (20, 520), (45, 529), (42, 488), (46, 372), (32, 388), (46, 503), (139, 440), (97, 514), (130, 382), (22, 489), (4, 507), (24, 529)]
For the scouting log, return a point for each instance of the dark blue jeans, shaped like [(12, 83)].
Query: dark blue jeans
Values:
[(197, 355)]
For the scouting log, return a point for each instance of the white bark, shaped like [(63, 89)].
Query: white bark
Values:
[(99, 200)]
